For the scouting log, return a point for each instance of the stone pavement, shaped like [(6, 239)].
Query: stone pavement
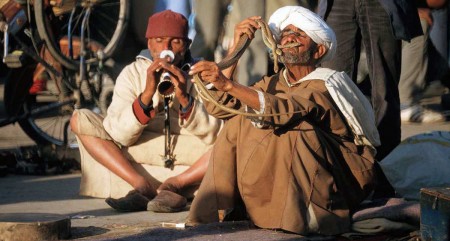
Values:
[(92, 219)]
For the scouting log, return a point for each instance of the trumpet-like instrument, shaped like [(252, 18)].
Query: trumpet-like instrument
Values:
[(165, 86), (167, 90)]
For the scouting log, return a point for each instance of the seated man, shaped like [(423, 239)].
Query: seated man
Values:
[(308, 162), (135, 118)]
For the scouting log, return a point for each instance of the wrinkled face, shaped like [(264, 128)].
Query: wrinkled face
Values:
[(178, 46), (302, 54)]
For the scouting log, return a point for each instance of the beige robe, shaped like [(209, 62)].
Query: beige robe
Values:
[(144, 143), (303, 174)]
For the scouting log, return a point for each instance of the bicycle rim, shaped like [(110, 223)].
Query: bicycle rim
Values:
[(107, 26), (48, 120), (49, 113)]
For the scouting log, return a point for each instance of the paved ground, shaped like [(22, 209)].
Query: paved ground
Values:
[(92, 219)]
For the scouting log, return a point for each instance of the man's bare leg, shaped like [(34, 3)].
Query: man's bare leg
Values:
[(191, 176), (109, 155), (169, 198)]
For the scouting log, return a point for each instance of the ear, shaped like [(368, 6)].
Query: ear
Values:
[(320, 51), (148, 43)]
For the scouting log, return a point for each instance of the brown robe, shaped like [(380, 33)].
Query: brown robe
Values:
[(303, 174)]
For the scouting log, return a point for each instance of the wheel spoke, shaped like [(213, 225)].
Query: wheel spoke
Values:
[(108, 5), (103, 35), (104, 16)]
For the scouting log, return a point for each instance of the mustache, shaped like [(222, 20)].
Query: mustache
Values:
[(289, 44), (296, 58)]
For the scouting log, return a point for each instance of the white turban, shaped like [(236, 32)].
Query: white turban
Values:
[(308, 22)]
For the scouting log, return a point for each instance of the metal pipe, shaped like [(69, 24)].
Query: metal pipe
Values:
[(69, 32)]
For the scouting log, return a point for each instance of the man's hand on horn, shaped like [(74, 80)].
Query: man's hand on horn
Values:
[(210, 72), (154, 72), (178, 79)]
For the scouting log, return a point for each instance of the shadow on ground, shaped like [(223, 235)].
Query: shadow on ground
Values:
[(241, 230)]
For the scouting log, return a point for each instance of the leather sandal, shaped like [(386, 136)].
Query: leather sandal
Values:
[(167, 202), (134, 201)]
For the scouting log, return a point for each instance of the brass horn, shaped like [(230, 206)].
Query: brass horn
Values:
[(165, 86)]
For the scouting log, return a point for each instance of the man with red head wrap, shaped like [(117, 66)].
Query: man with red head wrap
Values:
[(135, 119)]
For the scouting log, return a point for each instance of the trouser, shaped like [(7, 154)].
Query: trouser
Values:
[(414, 67), (209, 18), (366, 21)]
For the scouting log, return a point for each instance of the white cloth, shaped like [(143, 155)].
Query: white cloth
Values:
[(352, 103), (307, 21)]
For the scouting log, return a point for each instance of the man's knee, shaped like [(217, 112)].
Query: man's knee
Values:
[(83, 120), (74, 122)]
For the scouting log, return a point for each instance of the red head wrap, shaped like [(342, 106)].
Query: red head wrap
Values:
[(167, 24)]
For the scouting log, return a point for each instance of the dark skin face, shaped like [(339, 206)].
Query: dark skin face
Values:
[(179, 47), (304, 53)]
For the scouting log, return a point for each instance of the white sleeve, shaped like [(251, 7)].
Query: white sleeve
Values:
[(258, 122), (121, 122)]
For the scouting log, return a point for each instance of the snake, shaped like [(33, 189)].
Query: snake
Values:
[(232, 58)]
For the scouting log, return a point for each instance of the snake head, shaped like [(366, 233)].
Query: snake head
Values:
[(278, 51)]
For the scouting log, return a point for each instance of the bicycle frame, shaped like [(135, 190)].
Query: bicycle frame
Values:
[(17, 99), (15, 93)]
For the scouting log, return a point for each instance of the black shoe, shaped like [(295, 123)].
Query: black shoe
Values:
[(132, 202)]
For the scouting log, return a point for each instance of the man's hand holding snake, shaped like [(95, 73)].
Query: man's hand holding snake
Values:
[(210, 72), (247, 26)]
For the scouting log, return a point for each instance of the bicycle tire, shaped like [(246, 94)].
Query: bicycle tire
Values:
[(105, 98), (56, 122), (51, 125), (111, 44)]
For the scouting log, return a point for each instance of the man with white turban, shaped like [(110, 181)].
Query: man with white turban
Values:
[(308, 166)]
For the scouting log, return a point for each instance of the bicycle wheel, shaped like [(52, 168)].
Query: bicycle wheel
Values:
[(107, 24), (48, 113), (48, 116)]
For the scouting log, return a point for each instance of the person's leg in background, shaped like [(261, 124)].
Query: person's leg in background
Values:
[(341, 19), (439, 70), (413, 79), (384, 59), (368, 21), (439, 32), (383, 55), (414, 68), (253, 63), (209, 20)]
